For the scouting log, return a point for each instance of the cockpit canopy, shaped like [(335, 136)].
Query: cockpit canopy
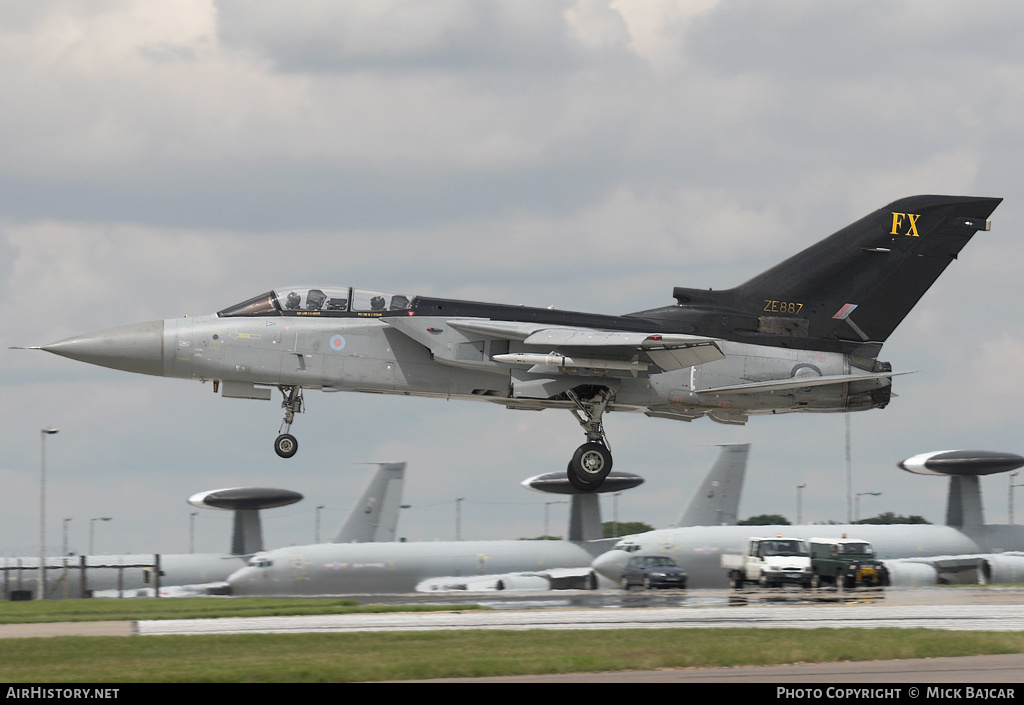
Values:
[(319, 301)]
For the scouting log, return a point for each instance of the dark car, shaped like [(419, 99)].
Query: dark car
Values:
[(652, 572)]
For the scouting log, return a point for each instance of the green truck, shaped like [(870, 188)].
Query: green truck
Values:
[(846, 563)]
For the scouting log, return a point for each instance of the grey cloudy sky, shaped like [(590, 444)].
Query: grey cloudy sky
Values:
[(163, 159)]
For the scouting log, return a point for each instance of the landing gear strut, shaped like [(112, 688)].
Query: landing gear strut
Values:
[(285, 445), (592, 461)]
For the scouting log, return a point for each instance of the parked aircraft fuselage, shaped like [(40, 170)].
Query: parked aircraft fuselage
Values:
[(698, 549), (332, 569)]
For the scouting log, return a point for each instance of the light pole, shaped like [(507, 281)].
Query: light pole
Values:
[(859, 495), (64, 555), (799, 504), (192, 532), (546, 505), (316, 528), (458, 518), (64, 545), (41, 577), (849, 469), (92, 530)]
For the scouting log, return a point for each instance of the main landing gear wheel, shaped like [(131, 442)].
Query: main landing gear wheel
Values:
[(286, 445), (589, 466), (592, 461)]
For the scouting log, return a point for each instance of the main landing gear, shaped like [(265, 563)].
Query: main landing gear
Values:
[(285, 445), (592, 461)]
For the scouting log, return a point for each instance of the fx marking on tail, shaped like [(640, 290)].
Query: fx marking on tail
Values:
[(910, 229)]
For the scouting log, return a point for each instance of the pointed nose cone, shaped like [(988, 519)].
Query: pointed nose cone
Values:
[(135, 348), (611, 564)]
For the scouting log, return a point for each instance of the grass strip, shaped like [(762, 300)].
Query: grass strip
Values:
[(274, 658)]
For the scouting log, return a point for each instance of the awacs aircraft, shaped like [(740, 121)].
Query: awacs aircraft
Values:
[(430, 566), (373, 518), (802, 336), (965, 550)]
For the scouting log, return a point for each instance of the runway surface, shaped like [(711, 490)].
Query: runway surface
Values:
[(950, 609), (965, 608), (961, 617)]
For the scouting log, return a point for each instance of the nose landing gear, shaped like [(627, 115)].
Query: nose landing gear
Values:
[(286, 445), (592, 461)]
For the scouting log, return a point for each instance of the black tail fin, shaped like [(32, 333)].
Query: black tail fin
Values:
[(858, 284)]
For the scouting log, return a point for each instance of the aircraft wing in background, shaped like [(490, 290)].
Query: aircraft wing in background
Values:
[(981, 568), (553, 579)]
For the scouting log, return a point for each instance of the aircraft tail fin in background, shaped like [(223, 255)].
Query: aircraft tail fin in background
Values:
[(858, 284), (717, 501), (963, 503), (585, 518), (375, 516)]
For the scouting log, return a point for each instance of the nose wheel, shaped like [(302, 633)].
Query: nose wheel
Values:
[(592, 461), (286, 445)]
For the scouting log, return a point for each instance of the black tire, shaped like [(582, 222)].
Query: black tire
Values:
[(578, 483), (815, 581), (286, 445), (647, 583), (737, 581), (590, 465), (624, 583)]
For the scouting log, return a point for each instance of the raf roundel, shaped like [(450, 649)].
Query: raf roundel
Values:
[(337, 342)]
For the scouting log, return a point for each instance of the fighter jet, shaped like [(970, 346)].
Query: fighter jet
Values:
[(802, 336)]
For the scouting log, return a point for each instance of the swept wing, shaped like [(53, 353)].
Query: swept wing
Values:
[(567, 346)]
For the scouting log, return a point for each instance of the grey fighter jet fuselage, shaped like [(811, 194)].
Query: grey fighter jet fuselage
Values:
[(802, 336)]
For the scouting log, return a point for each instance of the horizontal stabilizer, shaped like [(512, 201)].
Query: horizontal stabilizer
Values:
[(798, 383)]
